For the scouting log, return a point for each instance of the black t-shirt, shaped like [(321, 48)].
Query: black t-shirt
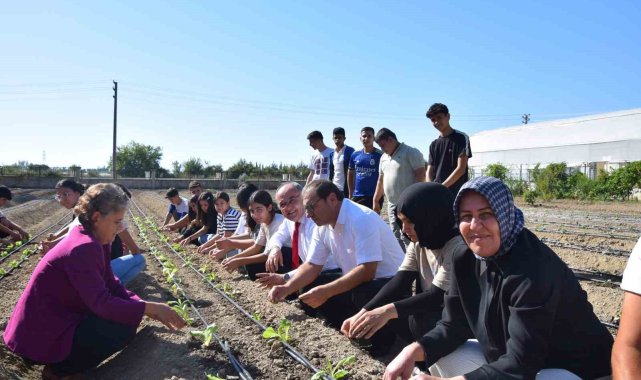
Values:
[(211, 222), (444, 154)]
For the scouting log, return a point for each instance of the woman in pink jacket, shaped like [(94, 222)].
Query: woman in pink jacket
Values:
[(74, 313)]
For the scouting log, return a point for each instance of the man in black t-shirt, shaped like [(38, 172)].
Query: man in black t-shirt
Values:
[(447, 163)]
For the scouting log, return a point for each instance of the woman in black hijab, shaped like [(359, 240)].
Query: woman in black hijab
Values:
[(514, 310), (425, 210)]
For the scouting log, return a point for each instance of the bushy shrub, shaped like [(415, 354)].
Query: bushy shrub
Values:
[(497, 171), (529, 196)]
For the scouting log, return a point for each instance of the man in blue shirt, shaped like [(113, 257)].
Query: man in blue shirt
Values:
[(362, 173)]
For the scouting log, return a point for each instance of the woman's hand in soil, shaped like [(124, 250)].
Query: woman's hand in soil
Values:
[(230, 265), (218, 254), (315, 297), (184, 242), (349, 322), (403, 364), (268, 280), (274, 260), (164, 314), (168, 227), (177, 239), (369, 322)]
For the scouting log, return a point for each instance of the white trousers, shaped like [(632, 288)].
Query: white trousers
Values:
[(469, 357)]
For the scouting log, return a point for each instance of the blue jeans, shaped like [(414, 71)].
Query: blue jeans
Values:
[(204, 238), (127, 267)]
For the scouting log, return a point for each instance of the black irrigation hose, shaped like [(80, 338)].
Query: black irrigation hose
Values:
[(34, 238), (595, 276), (238, 367), (578, 233), (291, 351), (603, 251), (583, 226)]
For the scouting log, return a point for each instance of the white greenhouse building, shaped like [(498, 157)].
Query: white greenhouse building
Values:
[(588, 143)]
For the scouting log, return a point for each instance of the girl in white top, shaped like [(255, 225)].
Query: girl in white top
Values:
[(265, 212)]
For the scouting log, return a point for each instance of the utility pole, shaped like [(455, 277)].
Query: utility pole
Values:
[(113, 160), (525, 118)]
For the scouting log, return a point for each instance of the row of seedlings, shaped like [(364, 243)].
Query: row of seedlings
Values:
[(183, 303), (280, 334), (19, 252)]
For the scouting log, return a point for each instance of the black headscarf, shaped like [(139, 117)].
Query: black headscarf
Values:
[(429, 206)]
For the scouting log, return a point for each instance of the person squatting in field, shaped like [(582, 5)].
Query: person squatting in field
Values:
[(269, 218), (74, 313), (513, 310), (9, 231)]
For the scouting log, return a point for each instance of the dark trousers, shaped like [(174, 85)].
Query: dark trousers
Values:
[(253, 269), (342, 306), (367, 201), (95, 340)]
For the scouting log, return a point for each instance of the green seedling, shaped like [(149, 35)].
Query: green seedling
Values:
[(163, 238), (3, 272), (228, 290), (170, 274), (281, 334), (4, 254), (14, 264), (18, 244), (203, 268), (206, 336), (182, 308), (188, 261), (161, 257), (257, 316), (212, 277), (174, 290), (177, 247), (337, 371), (213, 377)]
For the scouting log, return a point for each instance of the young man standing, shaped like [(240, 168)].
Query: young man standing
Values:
[(447, 163), (340, 159), (401, 166), (320, 167), (362, 174)]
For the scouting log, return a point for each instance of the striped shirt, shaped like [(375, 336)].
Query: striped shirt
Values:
[(227, 222)]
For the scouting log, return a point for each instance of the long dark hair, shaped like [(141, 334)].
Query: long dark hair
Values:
[(242, 198), (71, 184), (262, 197), (202, 216)]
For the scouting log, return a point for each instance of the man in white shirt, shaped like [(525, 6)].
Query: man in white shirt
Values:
[(320, 166), (365, 250), (280, 255), (340, 160)]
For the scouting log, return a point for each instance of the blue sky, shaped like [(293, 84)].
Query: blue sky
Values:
[(249, 79)]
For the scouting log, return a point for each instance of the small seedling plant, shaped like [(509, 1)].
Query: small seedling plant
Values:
[(213, 377), (14, 264), (281, 334), (337, 371), (228, 290), (256, 316), (181, 308), (206, 336), (212, 277), (203, 268)]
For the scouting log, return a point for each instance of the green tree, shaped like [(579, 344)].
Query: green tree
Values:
[(193, 166), (211, 170), (242, 166), (133, 159), (176, 168), (497, 171)]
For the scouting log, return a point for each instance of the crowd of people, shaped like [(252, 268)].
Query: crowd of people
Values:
[(455, 275)]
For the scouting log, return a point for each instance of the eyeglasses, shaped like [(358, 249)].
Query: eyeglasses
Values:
[(287, 202), (64, 195)]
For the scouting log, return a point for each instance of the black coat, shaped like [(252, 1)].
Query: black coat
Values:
[(527, 311)]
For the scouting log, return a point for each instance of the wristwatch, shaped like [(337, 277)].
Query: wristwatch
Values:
[(286, 277)]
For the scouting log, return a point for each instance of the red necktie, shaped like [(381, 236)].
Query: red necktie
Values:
[(295, 259)]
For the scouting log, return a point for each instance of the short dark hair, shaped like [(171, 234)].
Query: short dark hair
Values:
[(124, 189), (323, 188), (5, 193), (384, 133), (437, 108), (172, 192), (244, 192), (339, 131), (193, 184), (222, 195), (368, 129), (315, 135)]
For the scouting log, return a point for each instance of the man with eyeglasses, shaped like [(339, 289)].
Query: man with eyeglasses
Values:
[(400, 166), (295, 232), (364, 248)]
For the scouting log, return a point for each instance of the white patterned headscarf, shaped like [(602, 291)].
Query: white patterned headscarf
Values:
[(499, 197)]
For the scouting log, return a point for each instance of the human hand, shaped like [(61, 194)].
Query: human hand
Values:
[(349, 322), (223, 243), (177, 239), (268, 280), (377, 207), (403, 363), (164, 314), (274, 260), (217, 254), (184, 242), (24, 234), (231, 264), (278, 293), (315, 297), (369, 322), (15, 235)]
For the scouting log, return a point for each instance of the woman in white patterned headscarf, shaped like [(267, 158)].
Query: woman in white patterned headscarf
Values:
[(514, 309)]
